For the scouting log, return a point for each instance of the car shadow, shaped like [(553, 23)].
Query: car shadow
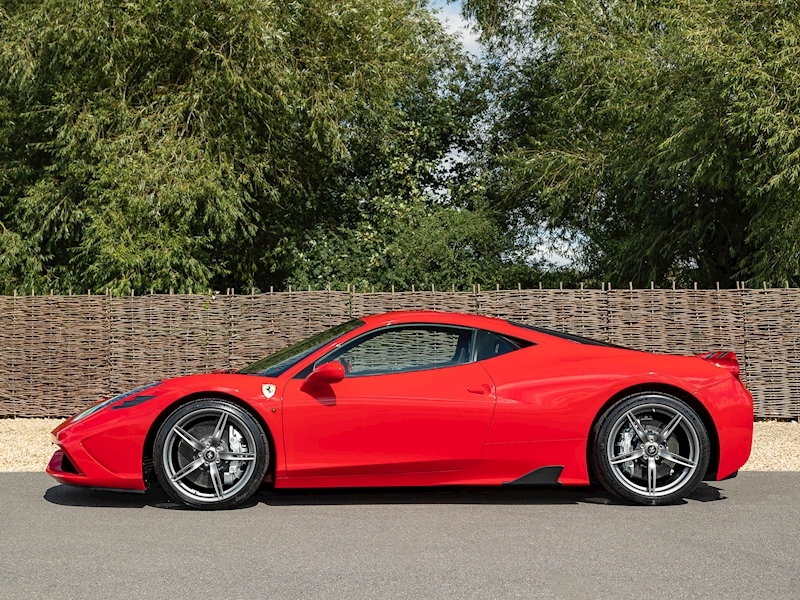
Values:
[(438, 495), (65, 495), (68, 495), (706, 492), (509, 495)]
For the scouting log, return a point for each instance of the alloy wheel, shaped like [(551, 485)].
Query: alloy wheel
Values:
[(653, 450), (209, 455)]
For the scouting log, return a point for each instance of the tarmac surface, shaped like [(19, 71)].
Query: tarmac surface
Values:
[(733, 539)]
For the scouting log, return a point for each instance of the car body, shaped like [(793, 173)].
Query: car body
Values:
[(520, 415)]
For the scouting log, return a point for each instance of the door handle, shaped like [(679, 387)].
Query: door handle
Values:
[(483, 388)]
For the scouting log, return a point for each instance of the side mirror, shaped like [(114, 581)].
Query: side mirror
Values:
[(329, 372)]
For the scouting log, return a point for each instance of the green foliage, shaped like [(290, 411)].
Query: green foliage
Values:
[(665, 134), (223, 143), (399, 234), (418, 246)]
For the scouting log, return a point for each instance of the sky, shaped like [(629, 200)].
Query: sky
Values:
[(450, 16)]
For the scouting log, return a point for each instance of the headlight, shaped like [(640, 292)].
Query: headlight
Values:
[(101, 405)]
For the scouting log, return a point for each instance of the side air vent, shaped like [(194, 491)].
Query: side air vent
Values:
[(132, 402)]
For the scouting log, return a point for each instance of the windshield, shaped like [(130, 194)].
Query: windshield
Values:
[(278, 363)]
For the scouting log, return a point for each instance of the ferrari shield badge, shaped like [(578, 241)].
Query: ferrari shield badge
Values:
[(269, 390)]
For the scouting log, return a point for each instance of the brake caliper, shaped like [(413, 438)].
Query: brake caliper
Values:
[(625, 445), (235, 467)]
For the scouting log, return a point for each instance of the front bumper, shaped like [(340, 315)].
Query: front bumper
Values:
[(88, 473), (63, 469), (97, 453)]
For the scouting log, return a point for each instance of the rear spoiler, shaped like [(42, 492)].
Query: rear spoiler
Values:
[(723, 359)]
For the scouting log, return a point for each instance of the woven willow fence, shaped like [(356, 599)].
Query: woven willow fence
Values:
[(59, 354)]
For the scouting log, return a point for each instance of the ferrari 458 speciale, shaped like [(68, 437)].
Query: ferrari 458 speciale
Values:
[(422, 399)]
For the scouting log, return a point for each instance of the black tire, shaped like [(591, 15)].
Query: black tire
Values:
[(638, 463), (210, 454)]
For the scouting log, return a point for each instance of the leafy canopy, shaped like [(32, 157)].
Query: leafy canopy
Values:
[(664, 134), (219, 143)]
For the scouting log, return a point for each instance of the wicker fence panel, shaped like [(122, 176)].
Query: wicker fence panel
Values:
[(262, 324), (773, 350), (676, 321), (381, 302), (580, 312), (12, 360), (54, 354), (155, 337), (59, 354)]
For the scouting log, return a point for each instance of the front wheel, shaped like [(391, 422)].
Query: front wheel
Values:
[(651, 448), (210, 454)]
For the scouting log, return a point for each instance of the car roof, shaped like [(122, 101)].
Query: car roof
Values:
[(431, 316), (448, 318), (498, 325)]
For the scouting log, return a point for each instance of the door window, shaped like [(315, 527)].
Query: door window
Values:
[(404, 348)]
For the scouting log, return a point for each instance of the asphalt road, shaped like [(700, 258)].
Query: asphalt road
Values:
[(733, 539)]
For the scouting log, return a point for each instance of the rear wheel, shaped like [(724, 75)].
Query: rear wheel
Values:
[(651, 448), (210, 454)]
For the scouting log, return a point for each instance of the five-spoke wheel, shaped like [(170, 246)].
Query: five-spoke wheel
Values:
[(650, 448), (210, 454)]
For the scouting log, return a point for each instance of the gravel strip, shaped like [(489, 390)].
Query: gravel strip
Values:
[(776, 447), (25, 445)]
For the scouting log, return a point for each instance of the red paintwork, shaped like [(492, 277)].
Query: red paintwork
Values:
[(397, 423), (483, 423)]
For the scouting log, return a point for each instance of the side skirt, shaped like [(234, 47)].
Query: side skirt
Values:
[(540, 476)]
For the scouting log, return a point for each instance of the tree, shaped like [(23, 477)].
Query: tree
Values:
[(216, 143), (415, 222), (665, 135)]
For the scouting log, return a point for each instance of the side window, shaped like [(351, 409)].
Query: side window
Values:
[(404, 348), (491, 344)]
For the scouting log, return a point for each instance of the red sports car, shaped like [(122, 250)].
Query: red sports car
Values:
[(422, 399)]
